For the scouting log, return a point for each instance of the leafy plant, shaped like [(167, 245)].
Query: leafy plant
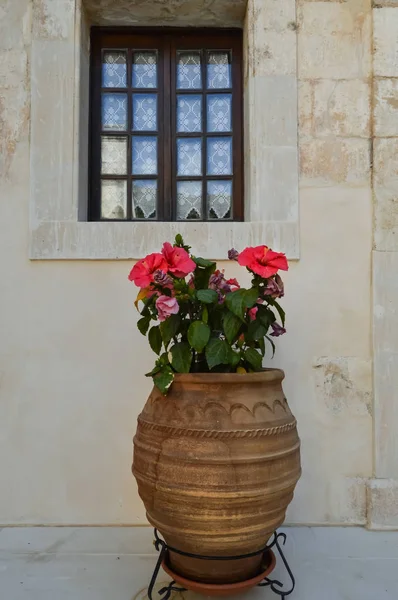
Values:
[(196, 320)]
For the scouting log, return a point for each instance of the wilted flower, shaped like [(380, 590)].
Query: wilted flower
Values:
[(233, 283), (162, 278), (233, 254), (277, 329), (275, 287), (218, 282), (166, 306)]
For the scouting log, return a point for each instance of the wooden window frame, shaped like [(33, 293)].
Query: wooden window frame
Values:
[(167, 41)]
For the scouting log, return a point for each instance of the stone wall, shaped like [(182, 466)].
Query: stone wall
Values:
[(71, 360)]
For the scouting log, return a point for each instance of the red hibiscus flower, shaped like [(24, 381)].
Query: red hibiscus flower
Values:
[(263, 261), (178, 261), (142, 272)]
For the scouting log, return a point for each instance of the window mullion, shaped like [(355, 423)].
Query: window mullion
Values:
[(167, 187)]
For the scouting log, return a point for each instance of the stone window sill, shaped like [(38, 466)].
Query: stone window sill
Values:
[(59, 240)]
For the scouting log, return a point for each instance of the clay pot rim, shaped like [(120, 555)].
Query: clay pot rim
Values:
[(267, 375)]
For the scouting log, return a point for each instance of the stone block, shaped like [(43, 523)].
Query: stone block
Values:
[(305, 108), (386, 107), (195, 13), (271, 29), (325, 162), (385, 220), (52, 130), (341, 108), (385, 36), (272, 110), (54, 19), (385, 349), (13, 68), (344, 385), (274, 183), (334, 40), (385, 163), (382, 504), (18, 19)]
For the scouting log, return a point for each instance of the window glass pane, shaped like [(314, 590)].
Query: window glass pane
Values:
[(219, 199), (144, 198), (219, 112), (189, 113), (189, 71), (113, 199), (145, 112), (145, 69), (114, 112), (114, 69), (145, 155), (219, 70), (189, 200), (189, 156), (113, 155), (219, 156)]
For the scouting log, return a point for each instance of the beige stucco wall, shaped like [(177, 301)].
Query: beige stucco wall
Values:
[(71, 361)]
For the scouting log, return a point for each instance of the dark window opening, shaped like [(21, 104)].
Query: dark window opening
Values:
[(166, 125)]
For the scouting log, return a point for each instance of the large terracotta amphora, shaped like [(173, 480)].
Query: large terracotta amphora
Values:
[(216, 462)]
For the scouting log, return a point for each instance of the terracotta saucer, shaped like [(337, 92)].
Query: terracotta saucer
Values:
[(222, 589)]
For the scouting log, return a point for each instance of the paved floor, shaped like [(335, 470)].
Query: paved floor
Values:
[(107, 563)]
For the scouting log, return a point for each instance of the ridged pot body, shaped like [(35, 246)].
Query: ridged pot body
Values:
[(216, 462)]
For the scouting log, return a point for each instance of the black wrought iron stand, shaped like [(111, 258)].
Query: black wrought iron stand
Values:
[(276, 586)]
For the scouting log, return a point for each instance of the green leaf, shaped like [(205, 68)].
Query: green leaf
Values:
[(234, 359), (255, 331), (169, 328), (272, 344), (236, 303), (205, 314), (218, 352), (143, 324), (147, 304), (155, 370), (253, 358), (265, 315), (203, 262), (203, 273), (181, 357), (251, 297), (164, 379), (207, 296), (231, 325), (278, 307), (155, 339), (198, 335), (261, 345)]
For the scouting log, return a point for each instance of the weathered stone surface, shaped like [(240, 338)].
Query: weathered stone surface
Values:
[(386, 107), (385, 36), (386, 163), (383, 504), (52, 143), (385, 348), (196, 13), (13, 67), (344, 385), (273, 38), (334, 40), (18, 18), (342, 108), (330, 107), (272, 110), (386, 194), (53, 19), (331, 162)]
